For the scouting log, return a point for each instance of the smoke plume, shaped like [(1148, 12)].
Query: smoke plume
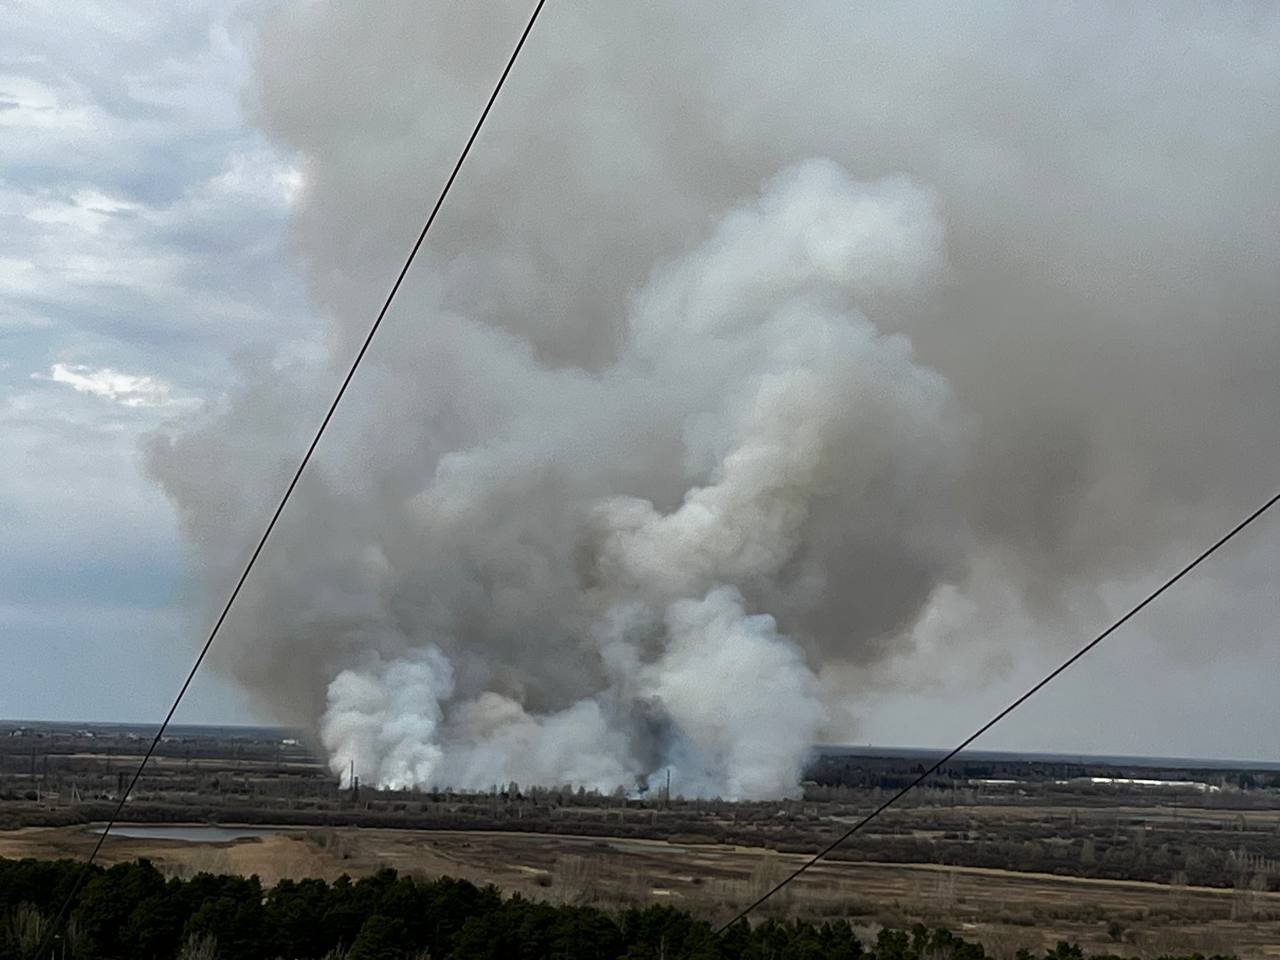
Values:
[(757, 346)]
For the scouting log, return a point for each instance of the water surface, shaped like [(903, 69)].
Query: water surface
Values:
[(186, 832)]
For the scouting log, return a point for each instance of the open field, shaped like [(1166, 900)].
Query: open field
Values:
[(1002, 849), (996, 906)]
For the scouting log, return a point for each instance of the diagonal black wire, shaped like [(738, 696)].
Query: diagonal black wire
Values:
[(297, 475), (938, 764)]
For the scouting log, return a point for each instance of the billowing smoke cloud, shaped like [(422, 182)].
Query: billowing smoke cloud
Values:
[(758, 345), (628, 525)]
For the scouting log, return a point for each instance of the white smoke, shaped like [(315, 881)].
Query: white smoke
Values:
[(679, 440), (781, 395), (743, 702), (386, 719)]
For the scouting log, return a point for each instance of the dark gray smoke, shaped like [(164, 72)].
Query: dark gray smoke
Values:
[(757, 343)]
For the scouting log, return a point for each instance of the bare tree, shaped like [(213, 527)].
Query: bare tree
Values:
[(26, 929), (199, 948)]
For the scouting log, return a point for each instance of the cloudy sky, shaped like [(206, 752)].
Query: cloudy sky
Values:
[(141, 248), (149, 251)]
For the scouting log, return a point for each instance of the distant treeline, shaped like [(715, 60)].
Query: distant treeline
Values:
[(133, 911), (887, 771)]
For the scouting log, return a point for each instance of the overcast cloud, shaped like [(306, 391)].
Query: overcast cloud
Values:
[(140, 248)]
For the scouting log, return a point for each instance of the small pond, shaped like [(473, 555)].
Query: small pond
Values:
[(186, 832)]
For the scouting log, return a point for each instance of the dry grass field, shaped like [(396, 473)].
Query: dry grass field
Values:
[(1003, 908), (1025, 859)]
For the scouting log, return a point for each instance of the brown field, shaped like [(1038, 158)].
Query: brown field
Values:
[(1003, 908), (1039, 854)]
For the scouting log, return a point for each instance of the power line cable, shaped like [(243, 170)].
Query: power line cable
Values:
[(1053, 674), (306, 458)]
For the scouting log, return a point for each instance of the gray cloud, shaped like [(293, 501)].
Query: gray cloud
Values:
[(141, 232)]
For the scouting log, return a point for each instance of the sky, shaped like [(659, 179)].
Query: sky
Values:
[(158, 241), (142, 246)]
